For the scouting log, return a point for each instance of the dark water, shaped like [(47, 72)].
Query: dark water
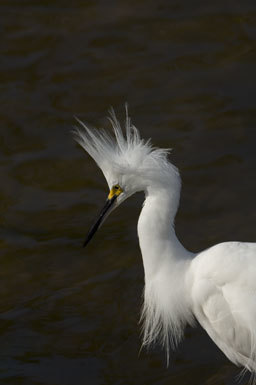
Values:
[(69, 316)]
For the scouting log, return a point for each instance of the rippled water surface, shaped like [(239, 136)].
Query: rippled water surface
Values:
[(68, 315)]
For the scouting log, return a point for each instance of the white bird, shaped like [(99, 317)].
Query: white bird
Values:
[(216, 287)]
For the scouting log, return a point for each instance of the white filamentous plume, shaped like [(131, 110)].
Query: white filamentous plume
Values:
[(216, 287)]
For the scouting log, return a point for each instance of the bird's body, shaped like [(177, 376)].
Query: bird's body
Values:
[(216, 287), (224, 299)]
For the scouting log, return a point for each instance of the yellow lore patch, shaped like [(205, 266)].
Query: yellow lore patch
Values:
[(115, 191)]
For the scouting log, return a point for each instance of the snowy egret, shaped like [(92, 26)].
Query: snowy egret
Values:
[(216, 287)]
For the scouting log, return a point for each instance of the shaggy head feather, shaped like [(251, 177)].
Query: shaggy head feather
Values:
[(125, 158)]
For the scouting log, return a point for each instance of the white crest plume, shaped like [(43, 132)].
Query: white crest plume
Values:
[(125, 153)]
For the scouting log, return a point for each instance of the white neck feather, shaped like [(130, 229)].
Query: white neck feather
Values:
[(166, 307), (159, 245)]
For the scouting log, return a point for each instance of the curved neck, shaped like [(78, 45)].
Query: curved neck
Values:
[(159, 245)]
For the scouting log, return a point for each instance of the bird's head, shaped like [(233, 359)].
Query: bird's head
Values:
[(128, 163)]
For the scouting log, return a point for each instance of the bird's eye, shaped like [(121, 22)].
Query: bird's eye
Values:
[(116, 187)]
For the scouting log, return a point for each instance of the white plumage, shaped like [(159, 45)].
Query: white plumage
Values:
[(216, 287)]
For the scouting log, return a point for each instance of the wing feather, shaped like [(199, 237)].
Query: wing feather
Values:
[(224, 298)]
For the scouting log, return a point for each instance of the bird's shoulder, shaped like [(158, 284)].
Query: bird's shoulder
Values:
[(225, 263)]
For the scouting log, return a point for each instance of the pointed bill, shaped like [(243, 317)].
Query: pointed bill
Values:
[(106, 210)]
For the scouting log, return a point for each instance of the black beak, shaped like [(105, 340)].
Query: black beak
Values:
[(102, 215)]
